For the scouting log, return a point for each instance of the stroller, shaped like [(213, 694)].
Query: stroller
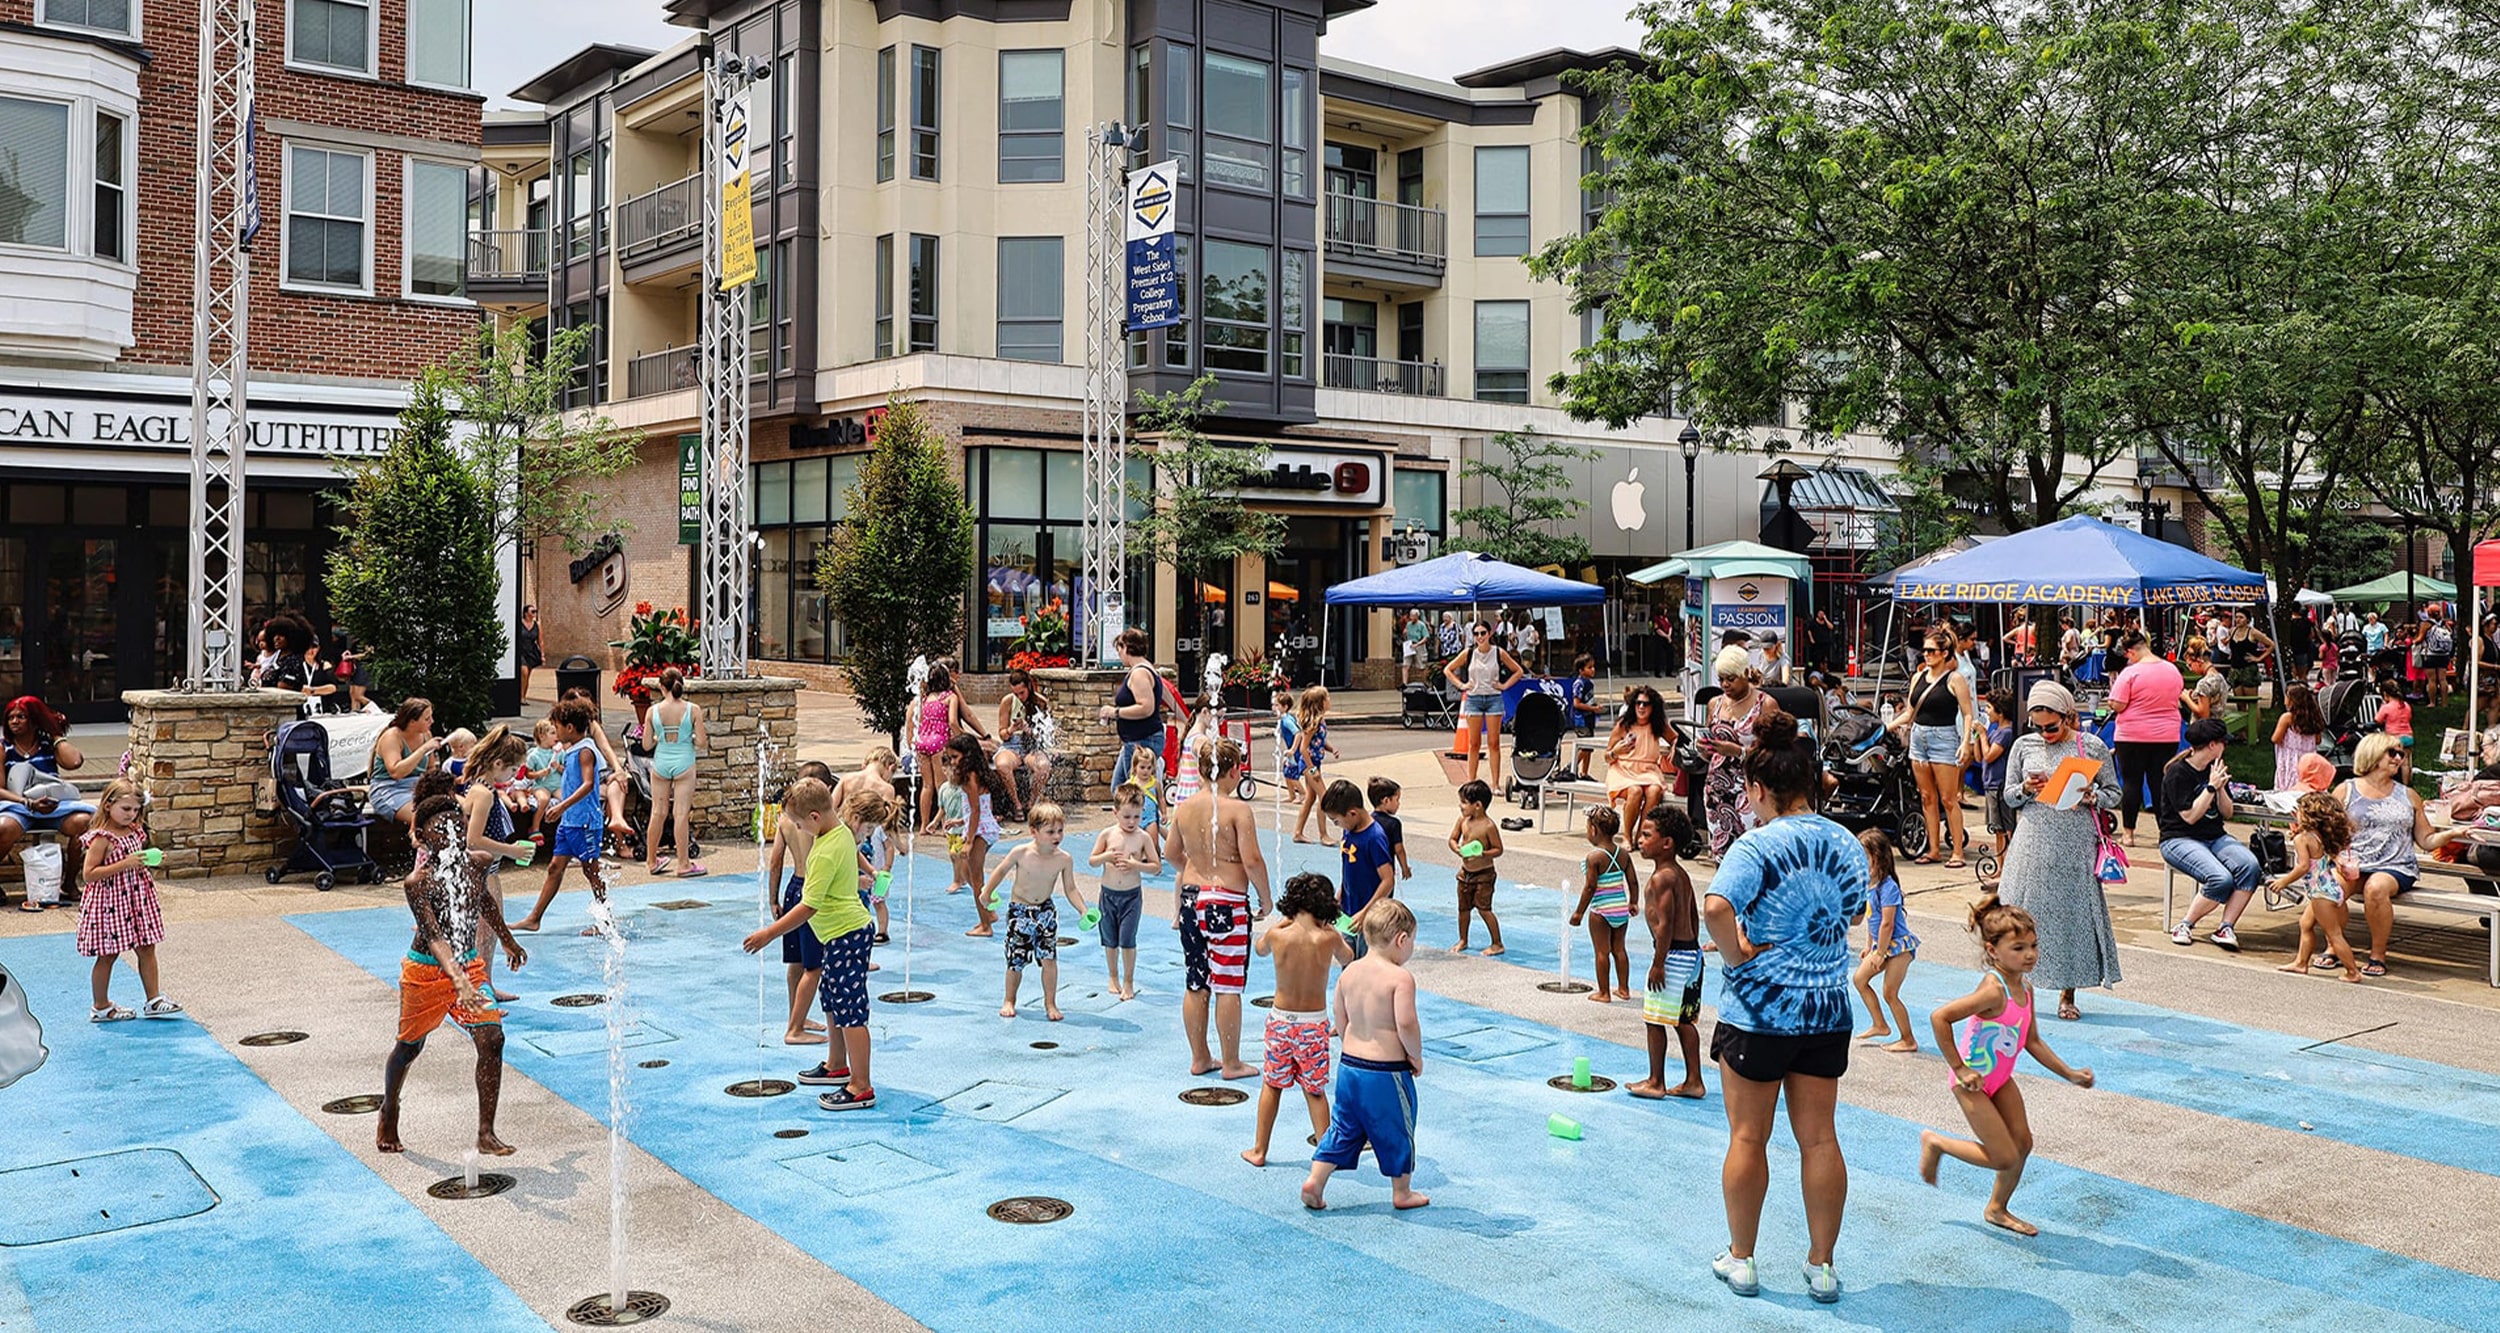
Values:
[(638, 812), (1876, 788), (2351, 709), (330, 823), (1536, 731), (1427, 703)]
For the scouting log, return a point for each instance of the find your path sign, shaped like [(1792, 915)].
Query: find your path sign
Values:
[(1154, 279)]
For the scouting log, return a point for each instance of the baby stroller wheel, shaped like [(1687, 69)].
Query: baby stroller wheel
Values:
[(325, 881), (1247, 789), (1911, 836), (276, 875), (1408, 719)]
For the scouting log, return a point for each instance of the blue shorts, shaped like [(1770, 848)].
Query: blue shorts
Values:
[(579, 841), (28, 820), (801, 945), (2404, 880), (1375, 1104), (1120, 909), (843, 991), (1935, 745), (1480, 705), (387, 799)]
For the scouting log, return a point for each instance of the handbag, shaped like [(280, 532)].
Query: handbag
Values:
[(2109, 865)]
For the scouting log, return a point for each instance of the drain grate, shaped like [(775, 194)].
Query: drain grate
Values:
[(1045, 1046), (363, 1103), (761, 1087), (581, 1001), (489, 1184), (906, 997), (600, 1311), (1263, 1002), (1031, 1210), (789, 1133), (274, 1039), (1565, 987), (1215, 1096), (1067, 941), (1597, 1083), (681, 904), (654, 1064)]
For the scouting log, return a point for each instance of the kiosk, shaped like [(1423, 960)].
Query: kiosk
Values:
[(1734, 586)]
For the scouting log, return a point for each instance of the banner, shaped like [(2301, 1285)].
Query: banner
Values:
[(1154, 276), (689, 489), (737, 197)]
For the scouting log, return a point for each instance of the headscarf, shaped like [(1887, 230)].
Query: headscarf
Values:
[(2051, 695)]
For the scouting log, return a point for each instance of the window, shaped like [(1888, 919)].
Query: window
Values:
[(760, 315), (1140, 80), (332, 35), (1502, 351), (117, 17), (1297, 158), (1293, 312), (1029, 302), (1419, 497), (924, 294), (1501, 201), (785, 124), (1176, 338), (578, 197), (1032, 116), (924, 113), (1180, 104), (112, 187), (885, 297), (1240, 126), (885, 115), (34, 173), (328, 240), (438, 43), (1237, 306), (437, 240)]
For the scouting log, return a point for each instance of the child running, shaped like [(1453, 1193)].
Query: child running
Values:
[(829, 905), (1608, 897), (1303, 944), (118, 912), (1477, 840), (1889, 945), (1122, 855), (442, 975), (1674, 996), (1038, 868), (1998, 1024), (576, 812), (1384, 1052), (1386, 796), (2322, 854)]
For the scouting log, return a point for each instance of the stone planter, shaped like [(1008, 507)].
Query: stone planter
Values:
[(200, 758), (736, 714)]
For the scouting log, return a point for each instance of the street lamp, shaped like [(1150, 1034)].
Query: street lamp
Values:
[(1690, 440)]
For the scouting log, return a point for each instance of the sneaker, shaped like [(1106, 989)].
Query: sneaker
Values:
[(161, 1007), (1822, 1283), (2179, 934), (821, 1077), (2226, 938), (847, 1100), (1737, 1273)]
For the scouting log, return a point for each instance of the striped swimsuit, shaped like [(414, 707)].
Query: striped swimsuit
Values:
[(1613, 899)]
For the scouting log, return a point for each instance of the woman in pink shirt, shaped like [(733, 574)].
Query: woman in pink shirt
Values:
[(2146, 699)]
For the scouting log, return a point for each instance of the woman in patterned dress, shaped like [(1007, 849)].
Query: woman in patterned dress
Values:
[(1732, 718), (2050, 863)]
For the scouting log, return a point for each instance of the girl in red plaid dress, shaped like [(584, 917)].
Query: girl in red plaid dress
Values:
[(118, 913)]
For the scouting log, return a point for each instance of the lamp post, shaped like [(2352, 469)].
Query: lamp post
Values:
[(1689, 439)]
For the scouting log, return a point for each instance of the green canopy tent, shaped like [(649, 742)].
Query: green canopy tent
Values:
[(2397, 587)]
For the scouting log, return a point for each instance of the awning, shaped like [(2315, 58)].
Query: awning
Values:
[(1727, 560), (2393, 588), (2081, 560)]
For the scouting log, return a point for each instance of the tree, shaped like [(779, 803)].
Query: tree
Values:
[(1524, 495), (895, 574), (1192, 517), (414, 579), (542, 464)]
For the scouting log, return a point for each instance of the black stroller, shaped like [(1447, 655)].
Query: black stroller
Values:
[(1427, 703), (2351, 708), (1875, 788), (330, 823), (1536, 732)]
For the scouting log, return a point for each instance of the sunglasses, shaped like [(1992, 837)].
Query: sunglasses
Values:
[(1932, 652)]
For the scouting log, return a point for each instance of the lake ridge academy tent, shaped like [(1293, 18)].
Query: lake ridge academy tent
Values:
[(2081, 561)]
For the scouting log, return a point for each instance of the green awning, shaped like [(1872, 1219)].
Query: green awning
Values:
[(2391, 588)]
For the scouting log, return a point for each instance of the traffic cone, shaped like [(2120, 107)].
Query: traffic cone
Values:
[(1853, 659), (1464, 744)]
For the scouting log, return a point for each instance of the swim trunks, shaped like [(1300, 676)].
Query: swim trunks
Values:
[(1375, 1104), (427, 997), (800, 946), (1297, 1052), (1120, 910), (843, 991), (1475, 890), (1215, 938), (1679, 1000), (577, 841), (1032, 932)]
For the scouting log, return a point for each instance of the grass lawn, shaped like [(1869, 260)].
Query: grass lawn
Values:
[(2255, 762)]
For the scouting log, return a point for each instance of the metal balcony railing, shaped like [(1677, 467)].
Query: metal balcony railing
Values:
[(1382, 230), (661, 372), (671, 213), (508, 256), (1371, 374)]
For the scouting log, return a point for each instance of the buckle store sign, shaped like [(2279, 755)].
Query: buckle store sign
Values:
[(1351, 479)]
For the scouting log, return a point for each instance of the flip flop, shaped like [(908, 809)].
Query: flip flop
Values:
[(1956, 863), (2376, 967), (693, 870)]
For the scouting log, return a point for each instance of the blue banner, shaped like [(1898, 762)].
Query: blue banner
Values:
[(1154, 278)]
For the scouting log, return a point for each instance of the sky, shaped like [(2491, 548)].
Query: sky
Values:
[(520, 39)]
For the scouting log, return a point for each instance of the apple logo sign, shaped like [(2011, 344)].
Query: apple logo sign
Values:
[(1630, 515)]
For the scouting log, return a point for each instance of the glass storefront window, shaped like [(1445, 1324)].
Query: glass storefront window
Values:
[(1015, 483), (12, 617), (80, 649), (810, 632), (807, 491), (841, 475), (772, 495), (772, 611), (1063, 485)]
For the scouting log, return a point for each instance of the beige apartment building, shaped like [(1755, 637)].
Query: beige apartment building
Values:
[(1351, 239)]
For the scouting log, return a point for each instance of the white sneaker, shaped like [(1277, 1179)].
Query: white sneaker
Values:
[(2179, 934), (2226, 938), (1822, 1283), (1737, 1273)]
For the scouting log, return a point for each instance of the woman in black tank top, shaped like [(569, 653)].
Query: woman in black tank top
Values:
[(1940, 701)]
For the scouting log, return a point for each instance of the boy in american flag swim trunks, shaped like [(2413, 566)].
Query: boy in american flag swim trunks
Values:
[(1303, 944)]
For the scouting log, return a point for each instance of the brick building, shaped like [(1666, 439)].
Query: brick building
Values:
[(367, 139)]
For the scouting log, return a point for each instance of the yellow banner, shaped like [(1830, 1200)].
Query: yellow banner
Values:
[(737, 198)]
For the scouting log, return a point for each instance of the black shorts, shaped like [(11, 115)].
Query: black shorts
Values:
[(1769, 1057)]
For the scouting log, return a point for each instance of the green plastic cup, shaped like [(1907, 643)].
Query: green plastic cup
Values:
[(529, 853), (152, 858), (1579, 1071), (998, 900), (883, 885), (1345, 925), (1563, 1127), (1475, 848), (1092, 917)]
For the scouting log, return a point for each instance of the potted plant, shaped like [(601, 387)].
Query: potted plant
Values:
[(1247, 681), (656, 640), (1044, 642)]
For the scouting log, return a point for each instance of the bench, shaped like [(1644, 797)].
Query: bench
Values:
[(2484, 905)]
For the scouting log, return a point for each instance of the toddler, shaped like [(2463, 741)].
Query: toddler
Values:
[(1608, 898), (117, 911), (1303, 944), (1122, 854), (1889, 945), (1478, 841), (1038, 868), (2321, 835)]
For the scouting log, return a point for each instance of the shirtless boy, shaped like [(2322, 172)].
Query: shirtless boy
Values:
[(1039, 868), (442, 976), (1122, 855), (1384, 1051), (1217, 851), (1303, 944), (1674, 995)]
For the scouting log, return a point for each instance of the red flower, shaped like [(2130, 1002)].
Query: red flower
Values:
[(642, 608)]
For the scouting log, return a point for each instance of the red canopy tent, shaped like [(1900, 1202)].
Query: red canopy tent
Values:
[(2486, 575)]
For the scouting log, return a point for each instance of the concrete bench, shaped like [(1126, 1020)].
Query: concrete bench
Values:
[(2454, 901)]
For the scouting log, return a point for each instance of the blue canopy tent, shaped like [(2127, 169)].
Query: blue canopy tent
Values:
[(1461, 578)]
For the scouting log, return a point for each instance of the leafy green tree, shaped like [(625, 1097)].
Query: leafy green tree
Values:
[(1522, 495), (543, 465), (414, 578), (896, 573), (1190, 515)]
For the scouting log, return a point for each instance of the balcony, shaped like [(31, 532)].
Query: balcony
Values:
[(508, 267), (1371, 374), (1392, 245), (662, 372), (651, 227)]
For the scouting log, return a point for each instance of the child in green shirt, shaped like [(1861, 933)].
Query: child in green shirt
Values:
[(832, 906)]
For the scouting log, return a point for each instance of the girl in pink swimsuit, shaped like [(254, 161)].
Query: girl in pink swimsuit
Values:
[(1996, 1025)]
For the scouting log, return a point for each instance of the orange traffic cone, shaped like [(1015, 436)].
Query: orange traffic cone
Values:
[(1853, 659), (1465, 742)]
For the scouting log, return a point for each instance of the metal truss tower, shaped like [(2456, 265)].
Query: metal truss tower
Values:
[(1105, 567), (728, 539), (225, 219)]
